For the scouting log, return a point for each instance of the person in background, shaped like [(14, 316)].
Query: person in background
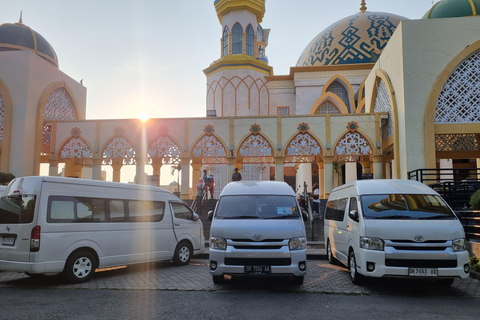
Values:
[(316, 202), (236, 176), (200, 188), (211, 187)]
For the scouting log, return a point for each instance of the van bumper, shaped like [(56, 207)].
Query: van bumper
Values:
[(32, 267), (263, 258), (379, 259)]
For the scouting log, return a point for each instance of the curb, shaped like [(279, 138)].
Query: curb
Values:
[(475, 275)]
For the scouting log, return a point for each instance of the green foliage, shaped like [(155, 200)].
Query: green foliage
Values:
[(474, 264), (475, 200), (5, 178)]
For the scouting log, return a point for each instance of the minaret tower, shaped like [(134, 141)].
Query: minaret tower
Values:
[(236, 84)]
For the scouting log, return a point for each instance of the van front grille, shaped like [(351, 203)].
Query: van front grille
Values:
[(258, 247), (411, 248), (258, 261), (421, 263)]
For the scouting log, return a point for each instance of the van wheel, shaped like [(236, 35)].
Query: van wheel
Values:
[(80, 267), (330, 257), (183, 254), (352, 267), (218, 279)]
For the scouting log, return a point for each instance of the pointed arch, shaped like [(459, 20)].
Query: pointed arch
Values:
[(383, 100), (255, 148), (349, 100), (118, 147), (431, 112), (250, 41), (7, 108), (331, 97), (64, 90), (211, 149), (75, 147), (166, 148), (237, 38), (303, 147), (225, 41), (353, 144)]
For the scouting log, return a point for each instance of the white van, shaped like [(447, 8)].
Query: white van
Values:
[(257, 230), (394, 228), (74, 226)]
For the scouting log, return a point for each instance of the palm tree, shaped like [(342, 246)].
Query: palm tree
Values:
[(177, 167)]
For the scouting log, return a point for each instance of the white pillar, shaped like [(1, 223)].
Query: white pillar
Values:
[(446, 175), (350, 171), (304, 174)]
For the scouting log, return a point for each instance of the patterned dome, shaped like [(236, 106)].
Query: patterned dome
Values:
[(453, 8), (359, 38), (17, 36)]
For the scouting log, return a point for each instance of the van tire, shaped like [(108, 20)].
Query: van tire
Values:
[(352, 268), (80, 267), (330, 257), (218, 279), (183, 253)]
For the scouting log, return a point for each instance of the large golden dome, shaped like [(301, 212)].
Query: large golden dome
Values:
[(359, 38)]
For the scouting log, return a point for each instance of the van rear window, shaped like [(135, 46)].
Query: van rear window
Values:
[(17, 209), (405, 206)]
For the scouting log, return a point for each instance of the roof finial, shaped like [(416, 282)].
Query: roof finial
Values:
[(20, 21), (363, 7)]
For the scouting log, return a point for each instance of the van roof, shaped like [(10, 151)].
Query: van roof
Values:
[(388, 186), (88, 182), (257, 187)]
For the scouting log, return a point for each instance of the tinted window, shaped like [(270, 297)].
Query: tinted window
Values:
[(257, 207), (336, 209), (181, 211), (144, 210), (405, 206), (17, 209)]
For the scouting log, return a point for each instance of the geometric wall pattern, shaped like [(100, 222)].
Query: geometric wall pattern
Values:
[(75, 147), (456, 142), (59, 106), (119, 148), (165, 148), (383, 104), (459, 100), (340, 91), (210, 149), (353, 144), (302, 148), (256, 149)]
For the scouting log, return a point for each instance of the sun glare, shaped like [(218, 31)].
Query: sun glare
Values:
[(143, 116)]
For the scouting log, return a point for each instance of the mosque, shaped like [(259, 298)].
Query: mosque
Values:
[(374, 95)]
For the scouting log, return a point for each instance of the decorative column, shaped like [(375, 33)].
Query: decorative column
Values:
[(97, 169), (279, 172), (196, 173), (321, 177), (157, 166), (328, 175), (230, 168), (185, 185), (377, 166), (117, 164), (350, 171)]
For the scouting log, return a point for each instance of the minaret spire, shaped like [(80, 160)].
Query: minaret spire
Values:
[(363, 7), (20, 21)]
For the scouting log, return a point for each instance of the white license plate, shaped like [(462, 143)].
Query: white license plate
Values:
[(257, 269), (8, 241), (422, 272)]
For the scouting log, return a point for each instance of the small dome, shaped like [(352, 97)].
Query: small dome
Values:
[(17, 36), (453, 9), (359, 38)]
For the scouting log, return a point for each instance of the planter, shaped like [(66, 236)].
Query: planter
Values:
[(475, 275)]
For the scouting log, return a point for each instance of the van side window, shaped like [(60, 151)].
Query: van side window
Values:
[(180, 211), (145, 210), (336, 209), (116, 211), (353, 206), (68, 209)]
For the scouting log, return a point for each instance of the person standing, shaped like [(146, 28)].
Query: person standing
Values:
[(211, 187), (200, 189), (236, 176)]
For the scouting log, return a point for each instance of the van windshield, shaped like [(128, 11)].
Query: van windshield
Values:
[(17, 209), (405, 206), (257, 207)]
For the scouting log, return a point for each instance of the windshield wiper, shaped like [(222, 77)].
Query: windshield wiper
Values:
[(241, 217), (435, 218), (398, 216), (282, 217)]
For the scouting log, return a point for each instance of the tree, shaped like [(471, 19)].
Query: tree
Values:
[(5, 178), (475, 200), (177, 167)]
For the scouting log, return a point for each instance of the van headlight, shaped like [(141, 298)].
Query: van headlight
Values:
[(372, 243), (459, 245), (218, 243), (299, 243)]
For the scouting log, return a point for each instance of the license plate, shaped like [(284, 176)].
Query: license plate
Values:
[(8, 241), (257, 269), (422, 272)]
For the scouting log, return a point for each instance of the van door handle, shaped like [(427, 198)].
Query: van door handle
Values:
[(348, 226), (177, 224)]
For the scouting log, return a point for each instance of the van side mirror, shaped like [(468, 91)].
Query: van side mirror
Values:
[(210, 215), (305, 215), (353, 215), (195, 217)]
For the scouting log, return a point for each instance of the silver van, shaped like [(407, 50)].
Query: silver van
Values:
[(257, 230), (394, 228)]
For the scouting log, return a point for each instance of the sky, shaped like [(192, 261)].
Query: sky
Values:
[(149, 55)]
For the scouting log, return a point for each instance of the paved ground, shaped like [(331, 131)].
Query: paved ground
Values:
[(321, 278)]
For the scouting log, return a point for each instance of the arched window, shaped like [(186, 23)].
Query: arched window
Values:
[(341, 92), (237, 35), (225, 41), (250, 40)]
